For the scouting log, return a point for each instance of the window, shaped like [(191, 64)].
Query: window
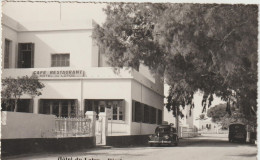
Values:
[(23, 105), (116, 107), (60, 60), (159, 116), (146, 114), (60, 108), (153, 115), (7, 53), (117, 112), (137, 111), (25, 55)]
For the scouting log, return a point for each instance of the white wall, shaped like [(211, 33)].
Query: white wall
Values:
[(147, 96), (111, 89), (142, 128), (77, 43), (26, 125)]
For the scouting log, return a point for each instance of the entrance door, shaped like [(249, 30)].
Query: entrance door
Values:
[(26, 55)]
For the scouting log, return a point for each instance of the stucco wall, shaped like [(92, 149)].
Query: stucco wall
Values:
[(16, 125), (142, 128), (147, 96), (111, 89), (77, 43)]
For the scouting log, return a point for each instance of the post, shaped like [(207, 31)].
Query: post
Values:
[(35, 105), (92, 115), (103, 127)]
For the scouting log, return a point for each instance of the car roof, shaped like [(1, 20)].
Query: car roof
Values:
[(165, 126), (237, 124)]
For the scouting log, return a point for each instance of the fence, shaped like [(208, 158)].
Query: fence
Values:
[(216, 131), (73, 127), (186, 132)]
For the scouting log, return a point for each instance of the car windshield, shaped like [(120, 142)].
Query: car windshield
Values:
[(165, 129), (237, 127), (162, 130)]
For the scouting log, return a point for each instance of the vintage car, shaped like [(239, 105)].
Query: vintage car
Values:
[(164, 134), (237, 132)]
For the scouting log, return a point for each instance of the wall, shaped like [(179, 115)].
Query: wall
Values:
[(147, 96), (111, 89), (10, 147), (16, 125), (51, 42)]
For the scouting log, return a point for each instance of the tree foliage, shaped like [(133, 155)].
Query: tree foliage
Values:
[(202, 117), (14, 88), (210, 48), (218, 114)]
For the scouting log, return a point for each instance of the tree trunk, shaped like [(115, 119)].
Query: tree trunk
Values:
[(15, 105)]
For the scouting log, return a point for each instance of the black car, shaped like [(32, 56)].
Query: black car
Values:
[(237, 132), (164, 134)]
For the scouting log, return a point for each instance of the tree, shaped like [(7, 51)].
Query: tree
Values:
[(14, 88), (219, 115), (210, 48)]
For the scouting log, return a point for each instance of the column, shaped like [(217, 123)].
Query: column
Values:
[(36, 105), (104, 126)]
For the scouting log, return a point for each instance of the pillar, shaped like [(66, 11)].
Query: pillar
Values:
[(92, 115), (104, 123), (36, 105)]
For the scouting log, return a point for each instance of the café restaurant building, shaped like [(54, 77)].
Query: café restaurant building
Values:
[(77, 79)]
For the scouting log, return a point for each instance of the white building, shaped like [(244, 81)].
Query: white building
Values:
[(51, 41)]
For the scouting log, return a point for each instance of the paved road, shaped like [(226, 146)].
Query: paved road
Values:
[(206, 147)]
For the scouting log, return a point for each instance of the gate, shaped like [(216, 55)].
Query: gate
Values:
[(73, 127)]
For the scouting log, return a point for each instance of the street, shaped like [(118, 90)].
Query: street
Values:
[(205, 147)]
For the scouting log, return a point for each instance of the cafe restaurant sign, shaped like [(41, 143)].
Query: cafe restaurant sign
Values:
[(61, 73)]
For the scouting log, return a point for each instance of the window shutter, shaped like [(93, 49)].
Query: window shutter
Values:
[(32, 55), (133, 111), (123, 109), (19, 63)]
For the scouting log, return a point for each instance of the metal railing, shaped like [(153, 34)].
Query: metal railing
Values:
[(73, 127)]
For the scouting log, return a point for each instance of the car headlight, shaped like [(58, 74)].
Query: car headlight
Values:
[(166, 137), (150, 136)]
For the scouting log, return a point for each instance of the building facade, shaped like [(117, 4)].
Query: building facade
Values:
[(59, 49)]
